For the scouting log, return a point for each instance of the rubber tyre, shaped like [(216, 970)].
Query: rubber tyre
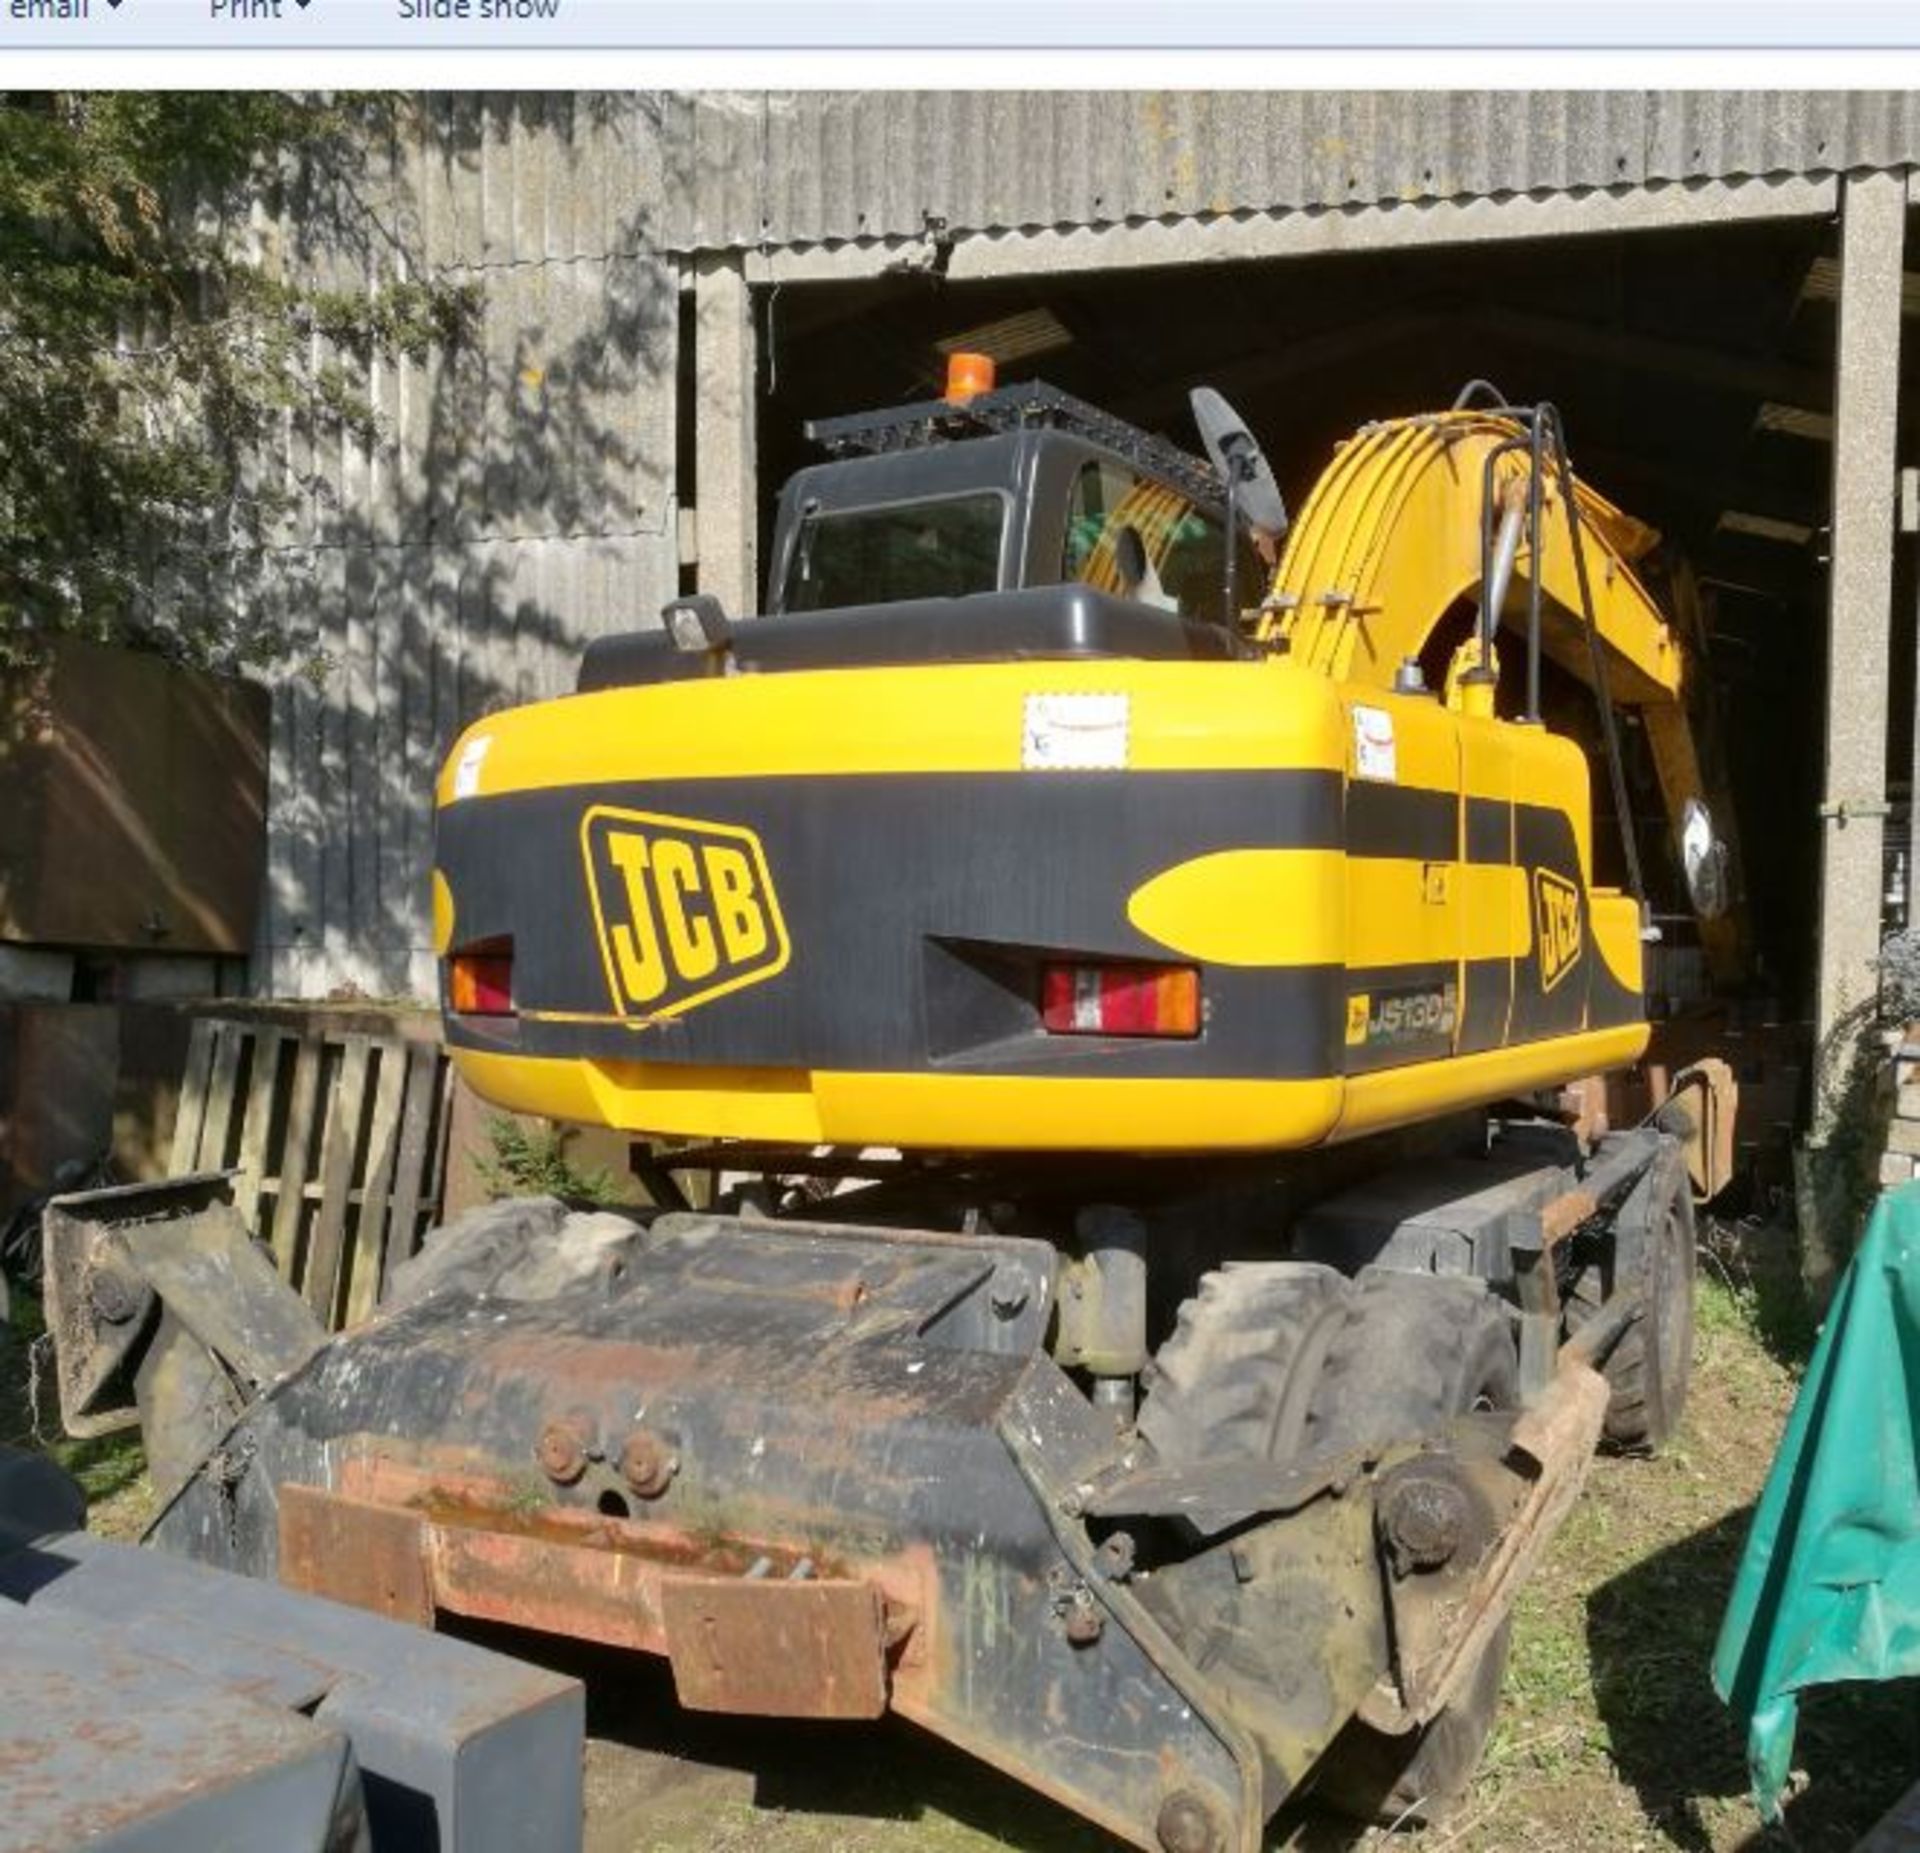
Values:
[(1236, 1375), (1651, 1368), (1418, 1779), (1415, 1351), (1269, 1359)]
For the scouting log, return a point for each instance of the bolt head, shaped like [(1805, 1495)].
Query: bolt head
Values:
[(1085, 1623), (115, 1300), (647, 1464), (561, 1452), (1187, 1825), (1424, 1518)]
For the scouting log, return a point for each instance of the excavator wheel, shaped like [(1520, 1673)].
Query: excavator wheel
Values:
[(1275, 1358), (1653, 1246), (1236, 1375)]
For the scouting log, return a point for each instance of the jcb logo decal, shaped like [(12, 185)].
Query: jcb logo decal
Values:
[(1556, 906), (686, 910)]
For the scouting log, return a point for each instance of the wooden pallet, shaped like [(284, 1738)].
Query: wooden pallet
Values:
[(339, 1142)]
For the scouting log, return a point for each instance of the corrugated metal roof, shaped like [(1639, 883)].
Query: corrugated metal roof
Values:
[(783, 168)]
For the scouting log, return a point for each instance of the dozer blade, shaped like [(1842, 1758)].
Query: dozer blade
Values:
[(829, 1472), (825, 1472)]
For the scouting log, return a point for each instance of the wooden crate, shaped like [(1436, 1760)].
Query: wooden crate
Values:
[(339, 1142)]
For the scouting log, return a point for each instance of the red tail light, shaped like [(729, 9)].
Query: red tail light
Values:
[(1120, 1000), (480, 980)]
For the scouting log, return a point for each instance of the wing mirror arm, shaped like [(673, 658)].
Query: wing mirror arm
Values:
[(1253, 496)]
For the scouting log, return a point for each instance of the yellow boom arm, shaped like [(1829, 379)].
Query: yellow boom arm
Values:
[(1389, 544)]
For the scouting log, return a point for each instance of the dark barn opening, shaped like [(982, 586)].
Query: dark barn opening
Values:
[(1693, 368)]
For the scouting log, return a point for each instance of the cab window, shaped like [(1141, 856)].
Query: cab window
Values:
[(940, 548), (1135, 538)]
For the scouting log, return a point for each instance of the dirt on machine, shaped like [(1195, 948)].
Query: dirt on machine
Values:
[(1139, 965)]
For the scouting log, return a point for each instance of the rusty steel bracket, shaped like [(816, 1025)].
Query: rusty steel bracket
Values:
[(792, 1645), (1700, 1110), (350, 1550), (101, 1311), (1441, 1632), (777, 1648), (1536, 1282), (164, 1310), (1216, 1496)]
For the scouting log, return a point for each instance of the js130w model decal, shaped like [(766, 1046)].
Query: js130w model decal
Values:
[(685, 910), (1556, 907), (1411, 1013)]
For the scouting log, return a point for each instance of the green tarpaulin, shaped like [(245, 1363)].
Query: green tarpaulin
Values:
[(1829, 1587)]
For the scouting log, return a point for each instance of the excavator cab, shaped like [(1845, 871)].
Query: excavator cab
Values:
[(1012, 487)]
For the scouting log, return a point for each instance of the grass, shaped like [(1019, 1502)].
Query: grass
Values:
[(111, 1469), (1610, 1735)]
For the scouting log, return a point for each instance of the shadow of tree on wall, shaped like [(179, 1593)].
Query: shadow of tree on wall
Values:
[(513, 498)]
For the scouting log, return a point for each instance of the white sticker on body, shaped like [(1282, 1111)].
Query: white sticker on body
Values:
[(466, 775), (1081, 733), (1374, 756)]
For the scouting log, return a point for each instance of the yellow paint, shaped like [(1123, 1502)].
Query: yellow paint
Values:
[(1542, 768), (1390, 920), (1023, 1112), (845, 723), (1495, 903), (1556, 905), (982, 1112), (443, 916), (1389, 542), (1616, 935), (1249, 907), (1404, 1096), (1283, 907)]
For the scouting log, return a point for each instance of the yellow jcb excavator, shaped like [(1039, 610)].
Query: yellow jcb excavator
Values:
[(1129, 972)]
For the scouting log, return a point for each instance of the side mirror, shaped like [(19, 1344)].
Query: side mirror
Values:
[(1704, 858), (1251, 489)]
